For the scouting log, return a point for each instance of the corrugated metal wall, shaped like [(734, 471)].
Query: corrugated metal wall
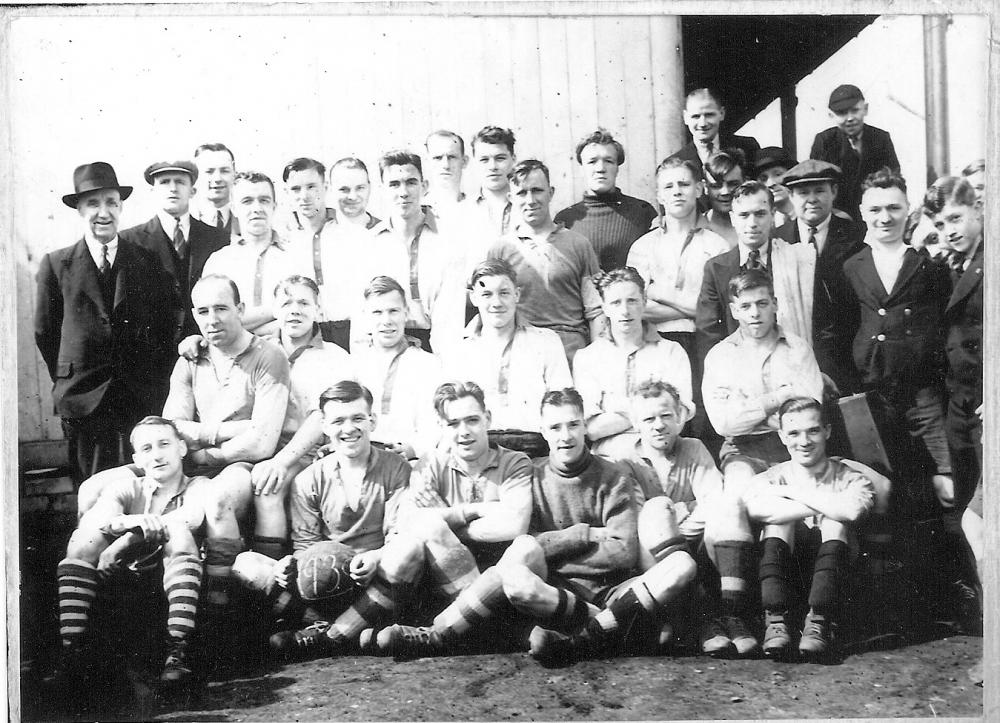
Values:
[(131, 90)]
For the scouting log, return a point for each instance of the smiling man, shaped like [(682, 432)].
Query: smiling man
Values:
[(611, 220), (105, 321), (852, 145), (513, 363), (704, 113), (217, 171)]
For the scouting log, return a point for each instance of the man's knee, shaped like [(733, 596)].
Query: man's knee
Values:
[(180, 539), (524, 550), (228, 494), (427, 525), (86, 543), (675, 572), (832, 530), (736, 476), (728, 520), (403, 558), (657, 521), (522, 586), (91, 488)]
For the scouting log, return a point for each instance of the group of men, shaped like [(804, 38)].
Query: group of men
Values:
[(469, 414)]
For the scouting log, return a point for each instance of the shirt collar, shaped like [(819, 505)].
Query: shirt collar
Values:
[(169, 223), (521, 233), (276, 240), (95, 249), (640, 452), (736, 338), (764, 252), (821, 228), (302, 223), (429, 220), (492, 460), (150, 486), (474, 328), (649, 334)]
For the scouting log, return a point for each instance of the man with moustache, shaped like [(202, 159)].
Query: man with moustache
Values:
[(180, 241), (216, 169), (105, 321)]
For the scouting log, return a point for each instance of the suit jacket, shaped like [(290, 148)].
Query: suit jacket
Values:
[(748, 145), (834, 317), (964, 319), (899, 344), (203, 241), (877, 150), (87, 346)]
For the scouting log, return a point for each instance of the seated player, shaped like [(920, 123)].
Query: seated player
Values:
[(401, 376), (513, 363), (229, 404), (314, 366), (813, 499), (341, 569), (466, 502), (155, 514), (608, 370), (773, 367), (581, 545)]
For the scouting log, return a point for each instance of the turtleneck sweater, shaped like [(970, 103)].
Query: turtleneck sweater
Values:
[(584, 517), (611, 222)]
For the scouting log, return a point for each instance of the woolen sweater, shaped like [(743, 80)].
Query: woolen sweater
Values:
[(611, 222)]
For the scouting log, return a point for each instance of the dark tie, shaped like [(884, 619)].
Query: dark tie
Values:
[(812, 239), (180, 243), (219, 224), (105, 265), (753, 259)]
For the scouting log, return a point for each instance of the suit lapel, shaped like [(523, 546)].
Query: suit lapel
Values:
[(869, 276), (83, 269), (969, 280), (911, 262), (123, 261)]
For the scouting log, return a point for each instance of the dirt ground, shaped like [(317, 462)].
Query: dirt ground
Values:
[(922, 680)]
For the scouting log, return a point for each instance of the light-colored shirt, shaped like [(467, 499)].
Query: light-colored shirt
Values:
[(256, 272), (888, 262), (515, 376), (320, 509), (135, 494), (169, 224), (209, 214), (738, 374), (822, 230), (97, 253), (554, 276), (676, 264), (404, 399)]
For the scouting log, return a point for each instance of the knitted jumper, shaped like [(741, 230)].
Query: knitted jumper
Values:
[(611, 222)]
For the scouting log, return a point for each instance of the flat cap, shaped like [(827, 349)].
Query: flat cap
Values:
[(773, 156), (844, 96), (176, 166), (812, 171)]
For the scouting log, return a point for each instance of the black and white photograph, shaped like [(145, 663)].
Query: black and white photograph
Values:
[(459, 361)]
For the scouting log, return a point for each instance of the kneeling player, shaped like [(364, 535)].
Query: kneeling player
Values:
[(341, 569), (154, 514), (810, 493), (467, 502)]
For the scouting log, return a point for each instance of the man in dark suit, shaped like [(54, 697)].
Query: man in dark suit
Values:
[(704, 113), (181, 242), (104, 324), (856, 148), (217, 169), (813, 187)]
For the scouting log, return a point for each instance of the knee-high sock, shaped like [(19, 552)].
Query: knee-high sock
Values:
[(77, 582), (220, 552), (878, 538), (482, 599), (733, 560), (571, 614), (273, 547), (623, 610), (182, 583), (775, 567), (374, 603), (828, 577)]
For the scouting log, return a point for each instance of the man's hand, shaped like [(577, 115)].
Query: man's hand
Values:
[(597, 534), (191, 347), (402, 448), (189, 433), (829, 386), (151, 527), (281, 569), (426, 497), (270, 476), (681, 511), (364, 565), (108, 564)]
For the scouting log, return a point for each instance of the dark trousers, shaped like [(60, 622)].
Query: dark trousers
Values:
[(964, 430), (100, 441)]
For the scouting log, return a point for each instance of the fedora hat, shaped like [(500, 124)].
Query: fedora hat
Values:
[(94, 177)]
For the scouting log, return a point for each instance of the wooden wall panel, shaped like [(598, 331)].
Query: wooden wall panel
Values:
[(274, 88)]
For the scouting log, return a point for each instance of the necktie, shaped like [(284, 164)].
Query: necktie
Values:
[(105, 264), (812, 239), (854, 144), (219, 223), (180, 243), (753, 259)]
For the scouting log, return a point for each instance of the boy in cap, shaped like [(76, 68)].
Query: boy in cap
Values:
[(772, 163), (181, 242), (856, 148)]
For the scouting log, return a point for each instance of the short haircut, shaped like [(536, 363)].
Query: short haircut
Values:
[(254, 177), (450, 391), (442, 133), (381, 285), (752, 188), (494, 136), (628, 275), (675, 162), (493, 267), (976, 166), (214, 147), (749, 280), (399, 158), (152, 421), (345, 392), (600, 137), (349, 162), (720, 164), (303, 164), (655, 388), (885, 177), (711, 94), (802, 404), (220, 277), (297, 280), (567, 397), (519, 172), (949, 189)]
